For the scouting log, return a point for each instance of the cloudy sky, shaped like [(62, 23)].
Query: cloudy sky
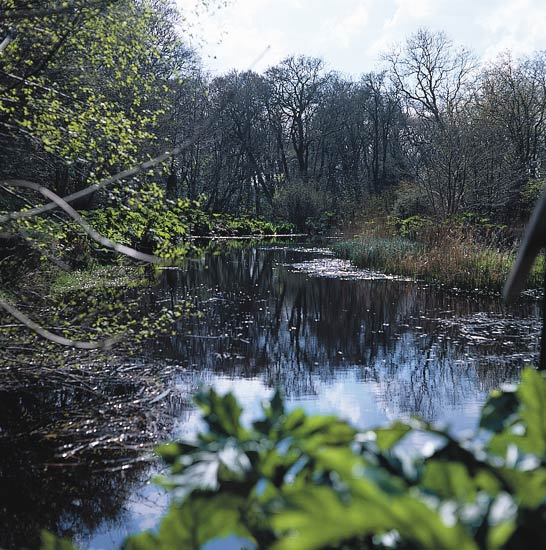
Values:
[(351, 34)]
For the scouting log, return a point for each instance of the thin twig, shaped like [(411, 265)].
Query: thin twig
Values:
[(91, 232), (29, 323)]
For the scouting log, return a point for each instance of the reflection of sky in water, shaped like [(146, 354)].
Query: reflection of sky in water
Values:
[(142, 511), (361, 403), (368, 349)]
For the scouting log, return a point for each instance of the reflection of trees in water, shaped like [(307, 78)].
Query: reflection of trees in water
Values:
[(262, 320), (65, 502), (35, 496), (422, 350)]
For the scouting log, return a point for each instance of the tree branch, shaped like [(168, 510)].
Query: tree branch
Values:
[(29, 323)]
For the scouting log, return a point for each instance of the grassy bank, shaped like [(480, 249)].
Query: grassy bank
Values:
[(451, 258)]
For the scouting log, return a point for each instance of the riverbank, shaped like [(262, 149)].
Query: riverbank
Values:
[(459, 261)]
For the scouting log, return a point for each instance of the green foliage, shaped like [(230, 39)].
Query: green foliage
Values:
[(410, 200), (531, 191), (87, 87), (481, 226), (147, 221), (292, 481), (409, 227), (227, 225), (51, 542)]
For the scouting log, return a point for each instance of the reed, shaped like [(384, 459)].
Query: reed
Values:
[(448, 257)]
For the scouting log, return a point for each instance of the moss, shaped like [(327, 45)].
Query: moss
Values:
[(112, 276)]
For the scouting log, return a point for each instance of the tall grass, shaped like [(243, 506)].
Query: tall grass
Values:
[(446, 255)]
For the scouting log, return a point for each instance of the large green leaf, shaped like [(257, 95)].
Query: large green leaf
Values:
[(386, 438), (222, 413), (316, 518), (498, 410), (316, 431), (188, 526), (449, 480), (529, 487), (532, 394)]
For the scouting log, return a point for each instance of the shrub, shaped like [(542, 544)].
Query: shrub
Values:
[(305, 206), (531, 192), (293, 481), (410, 200)]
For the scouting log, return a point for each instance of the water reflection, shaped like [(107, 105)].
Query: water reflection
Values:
[(37, 493), (71, 464), (280, 316), (334, 339)]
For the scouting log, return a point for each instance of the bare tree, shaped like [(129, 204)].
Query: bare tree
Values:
[(298, 83), (436, 82), (512, 104)]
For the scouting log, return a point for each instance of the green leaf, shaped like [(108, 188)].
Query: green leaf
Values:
[(386, 438), (498, 535), (498, 410), (449, 480), (51, 542), (529, 487), (532, 394), (316, 518), (419, 523), (188, 526), (316, 431), (222, 413)]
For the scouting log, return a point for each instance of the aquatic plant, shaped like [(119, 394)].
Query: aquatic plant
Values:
[(453, 260)]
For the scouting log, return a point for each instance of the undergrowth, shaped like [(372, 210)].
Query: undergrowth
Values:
[(454, 254)]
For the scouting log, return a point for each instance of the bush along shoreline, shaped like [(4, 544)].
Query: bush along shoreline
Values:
[(465, 253)]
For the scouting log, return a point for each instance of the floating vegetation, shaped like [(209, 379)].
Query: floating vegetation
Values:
[(489, 328), (311, 250), (341, 269)]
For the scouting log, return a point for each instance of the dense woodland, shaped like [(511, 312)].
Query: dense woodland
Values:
[(93, 88), (434, 159)]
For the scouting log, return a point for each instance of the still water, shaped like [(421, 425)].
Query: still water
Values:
[(334, 339)]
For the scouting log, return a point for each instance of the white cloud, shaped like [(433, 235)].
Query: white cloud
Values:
[(515, 25), (347, 26), (410, 11), (351, 34)]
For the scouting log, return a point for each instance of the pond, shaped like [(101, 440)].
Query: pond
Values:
[(334, 338)]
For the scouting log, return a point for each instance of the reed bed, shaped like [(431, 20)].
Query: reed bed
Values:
[(449, 257)]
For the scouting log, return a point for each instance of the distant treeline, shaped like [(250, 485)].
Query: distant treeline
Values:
[(95, 87)]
